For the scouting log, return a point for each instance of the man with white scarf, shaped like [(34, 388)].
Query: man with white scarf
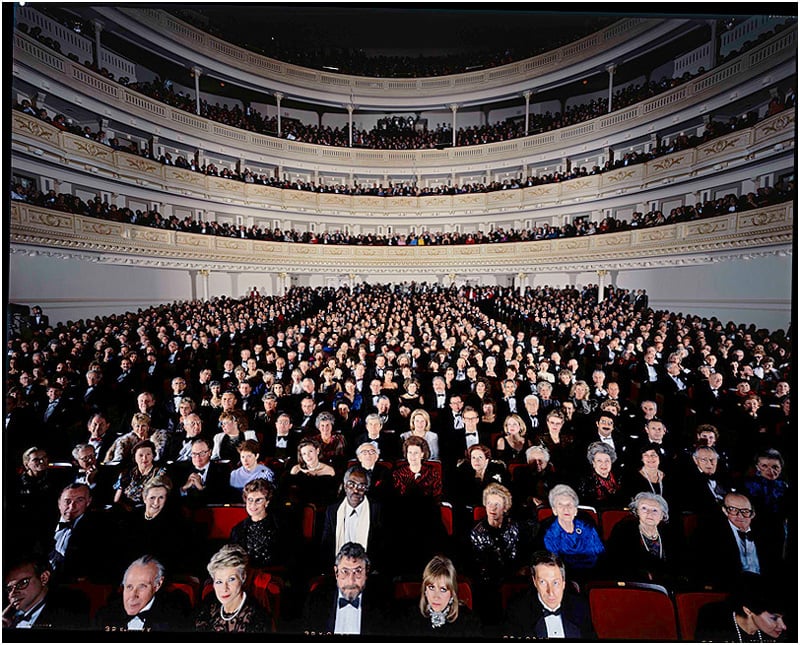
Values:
[(355, 519)]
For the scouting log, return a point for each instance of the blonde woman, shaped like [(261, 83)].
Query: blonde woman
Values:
[(440, 613)]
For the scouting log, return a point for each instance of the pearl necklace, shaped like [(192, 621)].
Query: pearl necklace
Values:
[(739, 633), (235, 613), (656, 540)]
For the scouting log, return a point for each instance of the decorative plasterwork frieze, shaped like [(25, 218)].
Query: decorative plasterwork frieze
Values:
[(767, 230)]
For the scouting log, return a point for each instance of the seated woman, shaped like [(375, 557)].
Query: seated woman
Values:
[(770, 493), (645, 547), (497, 549), (121, 451), (411, 397), (753, 614), (490, 423), (158, 528), (416, 478), (573, 538), (420, 422), (250, 468), (601, 488), (474, 474), (531, 484), (511, 447), (258, 533), (234, 432), (231, 608), (439, 613), (650, 478), (310, 481), (131, 481), (331, 445), (560, 441)]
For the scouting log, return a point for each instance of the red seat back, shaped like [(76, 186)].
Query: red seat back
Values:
[(220, 520), (688, 605), (609, 519), (632, 611)]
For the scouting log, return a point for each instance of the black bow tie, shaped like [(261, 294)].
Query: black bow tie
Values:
[(344, 601), (550, 612), (199, 471), (64, 525), (142, 615), (745, 535), (473, 434)]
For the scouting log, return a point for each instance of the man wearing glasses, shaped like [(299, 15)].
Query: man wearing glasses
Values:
[(32, 604), (732, 544), (204, 481), (354, 519), (346, 608)]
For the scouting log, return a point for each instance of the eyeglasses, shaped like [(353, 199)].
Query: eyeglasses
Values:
[(18, 586), (744, 512), (350, 485), (344, 572), (471, 418), (201, 453), (368, 451)]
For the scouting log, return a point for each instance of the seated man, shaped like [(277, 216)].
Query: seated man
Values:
[(346, 608), (75, 546), (386, 442), (34, 603), (144, 605), (202, 481), (702, 487), (355, 519), (547, 610), (379, 476)]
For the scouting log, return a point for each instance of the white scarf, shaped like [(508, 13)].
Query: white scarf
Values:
[(362, 524)]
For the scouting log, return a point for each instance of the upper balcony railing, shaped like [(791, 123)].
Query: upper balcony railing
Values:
[(342, 87), (689, 98), (772, 136)]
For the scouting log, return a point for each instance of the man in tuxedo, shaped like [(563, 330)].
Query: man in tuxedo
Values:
[(57, 419), (729, 543), (78, 536), (305, 421), (386, 442), (34, 603), (281, 444), (202, 481), (37, 321), (530, 415), (379, 476), (702, 488), (606, 432), (508, 404), (99, 437), (548, 610), (347, 607), (355, 519), (144, 605)]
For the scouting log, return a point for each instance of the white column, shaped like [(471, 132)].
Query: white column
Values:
[(601, 283), (454, 108), (98, 28), (527, 94), (196, 71), (714, 44), (521, 282), (204, 273), (350, 108), (278, 97), (610, 69)]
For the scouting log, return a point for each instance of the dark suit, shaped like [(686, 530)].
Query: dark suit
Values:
[(216, 489), (63, 609), (524, 618), (170, 612), (717, 552), (319, 615), (375, 538), (84, 553)]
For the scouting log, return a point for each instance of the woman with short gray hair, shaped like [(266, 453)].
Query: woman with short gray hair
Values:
[(645, 547), (231, 608), (602, 487)]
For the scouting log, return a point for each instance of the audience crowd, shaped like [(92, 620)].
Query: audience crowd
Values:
[(369, 431)]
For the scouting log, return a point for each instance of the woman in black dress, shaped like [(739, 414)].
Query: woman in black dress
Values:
[(258, 533), (440, 613)]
